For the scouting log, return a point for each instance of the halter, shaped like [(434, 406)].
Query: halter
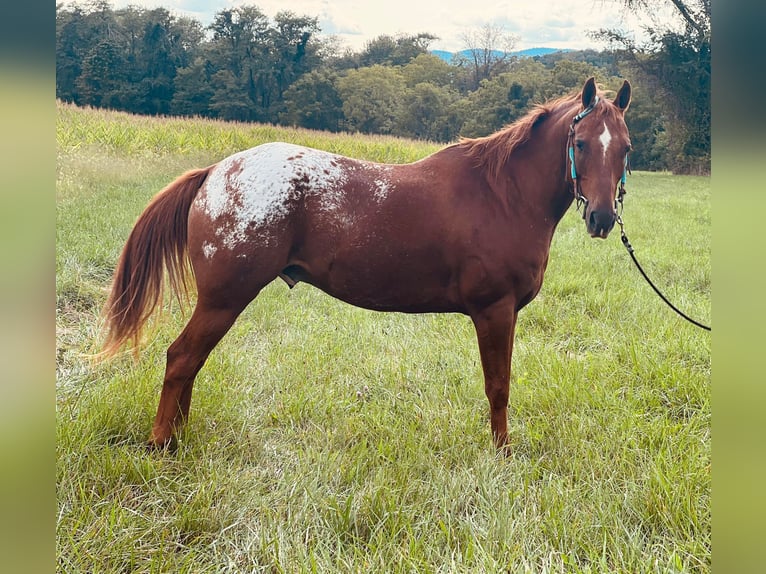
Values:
[(580, 199)]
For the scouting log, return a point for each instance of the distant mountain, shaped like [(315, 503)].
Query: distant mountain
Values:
[(528, 53)]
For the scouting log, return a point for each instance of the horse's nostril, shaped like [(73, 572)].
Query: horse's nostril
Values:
[(600, 221)]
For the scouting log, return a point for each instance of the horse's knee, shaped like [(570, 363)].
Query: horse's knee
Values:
[(497, 394)]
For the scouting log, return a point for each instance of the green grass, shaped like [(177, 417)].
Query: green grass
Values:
[(326, 438)]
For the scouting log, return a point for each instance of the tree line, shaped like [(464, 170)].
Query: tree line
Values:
[(248, 67)]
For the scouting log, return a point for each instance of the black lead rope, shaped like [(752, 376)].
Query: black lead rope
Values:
[(629, 247)]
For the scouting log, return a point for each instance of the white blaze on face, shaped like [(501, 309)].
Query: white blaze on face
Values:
[(605, 138)]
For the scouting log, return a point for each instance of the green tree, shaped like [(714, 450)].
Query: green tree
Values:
[(193, 90), (505, 98), (292, 54), (227, 102), (263, 59), (70, 45), (239, 52), (394, 50), (684, 70), (158, 65), (428, 112), (371, 98), (313, 102), (568, 75), (79, 30), (239, 40), (100, 80), (648, 135), (430, 69), (508, 96), (143, 50), (602, 59), (676, 67)]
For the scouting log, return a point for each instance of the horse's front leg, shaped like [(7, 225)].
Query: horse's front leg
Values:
[(495, 327)]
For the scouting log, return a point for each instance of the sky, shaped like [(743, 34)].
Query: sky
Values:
[(535, 23)]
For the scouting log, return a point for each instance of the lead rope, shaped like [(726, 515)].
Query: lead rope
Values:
[(631, 251)]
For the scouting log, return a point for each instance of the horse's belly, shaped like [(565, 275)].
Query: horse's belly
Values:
[(403, 302), (386, 284)]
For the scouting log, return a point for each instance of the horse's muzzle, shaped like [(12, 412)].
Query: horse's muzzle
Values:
[(600, 223)]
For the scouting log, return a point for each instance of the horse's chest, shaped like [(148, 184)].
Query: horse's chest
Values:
[(485, 279)]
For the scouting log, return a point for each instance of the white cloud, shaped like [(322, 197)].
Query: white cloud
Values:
[(551, 23), (560, 23)]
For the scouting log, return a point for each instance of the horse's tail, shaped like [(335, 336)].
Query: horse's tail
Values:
[(156, 243)]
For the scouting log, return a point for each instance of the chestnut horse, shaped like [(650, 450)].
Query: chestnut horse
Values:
[(465, 230)]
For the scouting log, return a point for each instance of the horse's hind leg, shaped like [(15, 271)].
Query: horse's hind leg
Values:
[(185, 357)]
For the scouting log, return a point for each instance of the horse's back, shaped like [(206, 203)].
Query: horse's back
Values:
[(251, 196)]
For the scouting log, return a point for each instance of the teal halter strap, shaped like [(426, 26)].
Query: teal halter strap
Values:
[(570, 146), (570, 154)]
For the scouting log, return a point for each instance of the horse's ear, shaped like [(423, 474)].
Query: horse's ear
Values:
[(622, 100), (589, 92)]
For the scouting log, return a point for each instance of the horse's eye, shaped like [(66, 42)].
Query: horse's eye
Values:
[(628, 149), (580, 144)]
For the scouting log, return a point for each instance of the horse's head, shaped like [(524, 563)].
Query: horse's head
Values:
[(597, 152)]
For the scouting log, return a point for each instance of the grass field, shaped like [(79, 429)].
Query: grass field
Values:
[(326, 438)]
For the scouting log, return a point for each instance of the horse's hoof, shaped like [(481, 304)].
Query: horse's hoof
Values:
[(503, 450), (169, 445)]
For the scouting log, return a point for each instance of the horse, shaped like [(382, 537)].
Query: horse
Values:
[(466, 230)]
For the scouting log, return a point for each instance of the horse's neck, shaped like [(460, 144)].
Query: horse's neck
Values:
[(550, 193)]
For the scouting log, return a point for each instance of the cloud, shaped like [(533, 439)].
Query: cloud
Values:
[(557, 23), (333, 24), (200, 6), (337, 18)]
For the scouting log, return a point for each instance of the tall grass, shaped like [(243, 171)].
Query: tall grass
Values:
[(326, 438)]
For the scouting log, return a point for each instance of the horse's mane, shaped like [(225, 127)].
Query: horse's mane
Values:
[(493, 151)]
